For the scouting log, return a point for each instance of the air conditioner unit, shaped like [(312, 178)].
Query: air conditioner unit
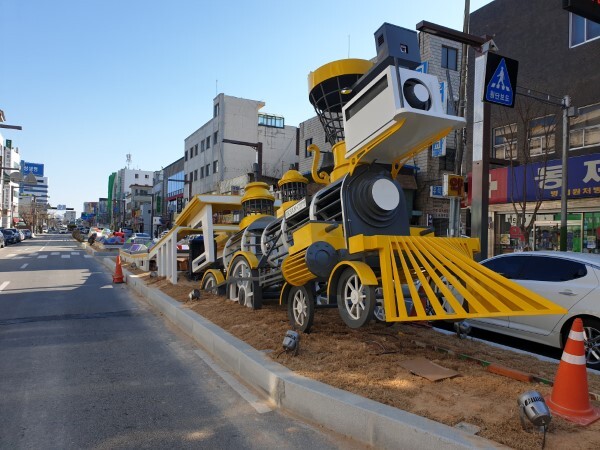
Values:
[(400, 111)]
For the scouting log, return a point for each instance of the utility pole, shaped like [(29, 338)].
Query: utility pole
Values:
[(455, 228)]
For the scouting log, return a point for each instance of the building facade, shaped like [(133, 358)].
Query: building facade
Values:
[(210, 161), (120, 184), (10, 189), (558, 56)]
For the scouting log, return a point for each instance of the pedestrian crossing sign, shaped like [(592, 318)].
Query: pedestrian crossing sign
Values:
[(500, 80)]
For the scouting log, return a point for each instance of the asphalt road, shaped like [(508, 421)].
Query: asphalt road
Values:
[(84, 364)]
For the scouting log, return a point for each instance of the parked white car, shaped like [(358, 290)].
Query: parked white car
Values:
[(571, 280)]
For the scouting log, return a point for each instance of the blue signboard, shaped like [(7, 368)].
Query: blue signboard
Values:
[(436, 191), (439, 148), (423, 67), (35, 169), (546, 182), (500, 80)]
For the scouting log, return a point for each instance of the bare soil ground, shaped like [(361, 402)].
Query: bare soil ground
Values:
[(367, 362)]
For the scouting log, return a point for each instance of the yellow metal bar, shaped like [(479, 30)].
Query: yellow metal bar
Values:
[(468, 289)]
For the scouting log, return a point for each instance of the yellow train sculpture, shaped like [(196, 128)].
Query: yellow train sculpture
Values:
[(350, 244)]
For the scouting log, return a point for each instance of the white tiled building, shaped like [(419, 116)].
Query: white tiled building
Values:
[(209, 162)]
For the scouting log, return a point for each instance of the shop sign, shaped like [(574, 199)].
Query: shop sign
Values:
[(545, 182), (454, 185), (516, 233)]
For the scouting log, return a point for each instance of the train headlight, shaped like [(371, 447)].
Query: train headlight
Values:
[(385, 194), (416, 94)]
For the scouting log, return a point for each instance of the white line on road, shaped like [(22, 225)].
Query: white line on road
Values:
[(254, 401), (55, 253), (75, 253), (3, 285), (42, 256), (24, 265), (87, 256), (65, 256)]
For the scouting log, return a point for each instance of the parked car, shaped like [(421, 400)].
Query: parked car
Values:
[(2, 243), (18, 234), (571, 280), (27, 233), (9, 236)]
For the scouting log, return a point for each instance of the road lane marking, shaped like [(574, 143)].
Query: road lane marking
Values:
[(254, 401), (24, 265), (87, 256), (42, 256), (3, 285), (75, 253), (107, 286), (55, 253), (65, 256)]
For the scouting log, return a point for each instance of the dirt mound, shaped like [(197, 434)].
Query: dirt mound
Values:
[(367, 362)]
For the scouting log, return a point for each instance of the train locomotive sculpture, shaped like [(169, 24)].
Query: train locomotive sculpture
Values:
[(350, 244)]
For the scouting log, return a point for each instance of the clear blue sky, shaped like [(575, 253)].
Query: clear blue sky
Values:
[(92, 80)]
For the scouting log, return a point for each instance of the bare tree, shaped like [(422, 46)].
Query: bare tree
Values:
[(529, 139)]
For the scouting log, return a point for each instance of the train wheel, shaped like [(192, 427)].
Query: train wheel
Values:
[(244, 291), (356, 301), (379, 311), (210, 285), (301, 308)]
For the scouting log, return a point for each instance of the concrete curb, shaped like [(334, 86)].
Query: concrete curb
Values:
[(359, 418)]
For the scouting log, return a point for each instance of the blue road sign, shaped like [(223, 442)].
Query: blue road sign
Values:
[(438, 148), (500, 80), (499, 89), (423, 68)]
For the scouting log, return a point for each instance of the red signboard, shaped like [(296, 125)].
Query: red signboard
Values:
[(590, 9)]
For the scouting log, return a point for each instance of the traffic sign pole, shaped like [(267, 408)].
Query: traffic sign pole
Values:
[(481, 160)]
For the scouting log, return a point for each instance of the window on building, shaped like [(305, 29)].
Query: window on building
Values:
[(307, 144), (137, 175), (207, 143), (541, 135), (449, 58), (447, 161), (196, 149), (191, 152), (191, 177), (207, 169), (186, 155), (196, 175), (216, 110), (202, 172), (505, 142), (146, 176), (269, 120), (582, 30), (215, 166), (215, 137), (585, 128), (202, 145)]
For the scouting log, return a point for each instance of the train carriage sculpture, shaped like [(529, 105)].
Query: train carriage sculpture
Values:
[(351, 243)]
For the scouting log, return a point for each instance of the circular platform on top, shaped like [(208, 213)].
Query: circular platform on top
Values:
[(329, 85)]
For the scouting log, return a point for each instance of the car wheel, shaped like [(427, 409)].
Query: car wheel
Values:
[(591, 332)]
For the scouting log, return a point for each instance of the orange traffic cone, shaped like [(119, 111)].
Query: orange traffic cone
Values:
[(570, 399), (118, 276)]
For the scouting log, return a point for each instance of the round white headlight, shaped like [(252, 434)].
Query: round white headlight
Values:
[(385, 194)]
